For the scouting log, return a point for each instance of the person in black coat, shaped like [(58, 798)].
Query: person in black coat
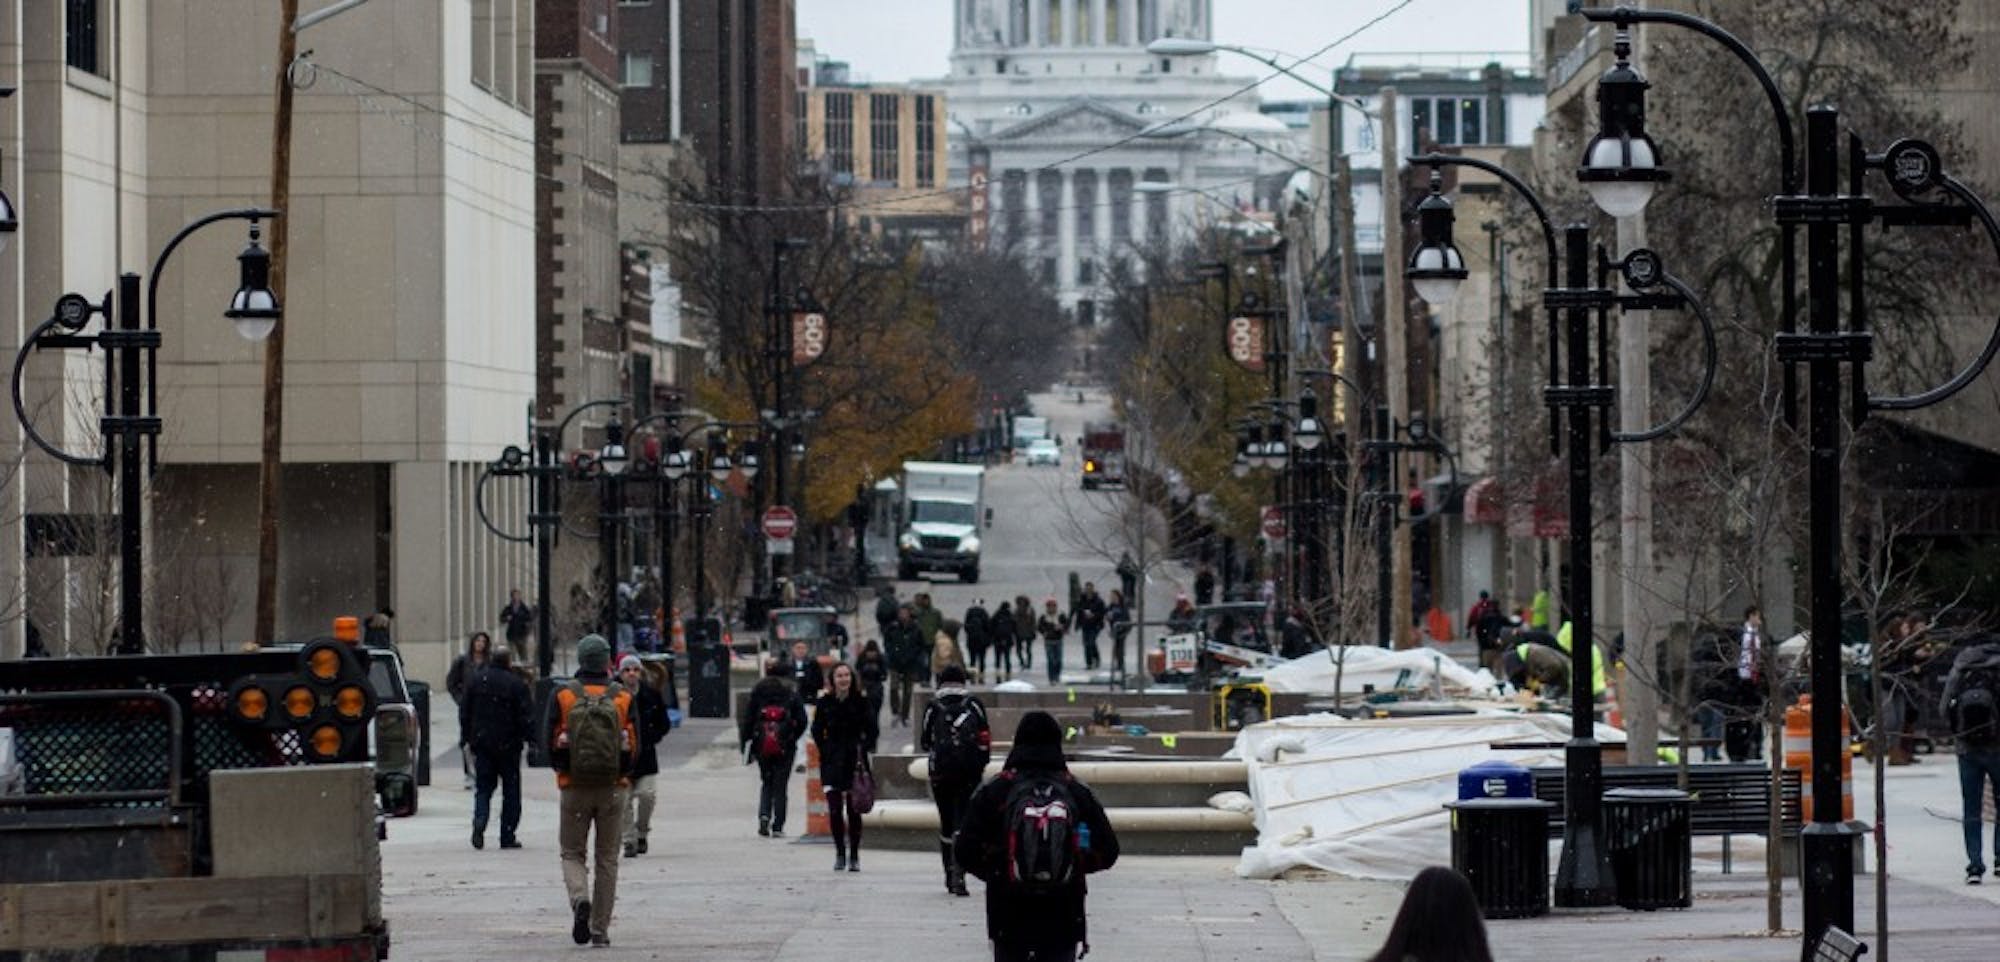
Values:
[(478, 649), (958, 741), (873, 668), (494, 719), (774, 768), (978, 637), (1000, 635), (806, 674), (844, 728), (1027, 926), (650, 718)]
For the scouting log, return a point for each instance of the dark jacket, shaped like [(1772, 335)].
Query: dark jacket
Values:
[(1024, 622), (771, 690), (1976, 658), (844, 729), (1000, 631), (872, 668), (807, 677), (909, 653), (518, 620), (460, 675), (495, 715), (1088, 612), (1052, 627), (885, 611), (977, 628), (1013, 916), (650, 708), (950, 703), (929, 621)]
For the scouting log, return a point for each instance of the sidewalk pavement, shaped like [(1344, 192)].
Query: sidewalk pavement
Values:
[(711, 889)]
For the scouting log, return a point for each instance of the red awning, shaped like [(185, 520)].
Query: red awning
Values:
[(1485, 503)]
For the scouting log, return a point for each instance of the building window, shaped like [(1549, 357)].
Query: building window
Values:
[(1048, 191), (1082, 25), (81, 48), (885, 143), (927, 124), (1120, 185), (1111, 25), (802, 103), (1049, 269), (1447, 120), (1086, 271), (840, 132), (635, 69), (1084, 190)]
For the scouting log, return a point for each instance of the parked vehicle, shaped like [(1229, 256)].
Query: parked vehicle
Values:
[(943, 507), (1028, 430), (396, 738), (1103, 455), (1042, 451)]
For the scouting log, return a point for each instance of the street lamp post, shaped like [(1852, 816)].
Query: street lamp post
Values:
[(778, 348), (1622, 165), (255, 311), (1583, 876), (610, 466)]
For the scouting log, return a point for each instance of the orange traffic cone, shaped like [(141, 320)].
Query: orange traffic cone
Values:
[(817, 823)]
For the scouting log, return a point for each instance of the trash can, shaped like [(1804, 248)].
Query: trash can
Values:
[(708, 670), (1501, 845), (420, 699), (1648, 833), (1495, 779)]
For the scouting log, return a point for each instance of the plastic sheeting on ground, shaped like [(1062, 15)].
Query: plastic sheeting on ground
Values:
[(1364, 798), (1420, 668)]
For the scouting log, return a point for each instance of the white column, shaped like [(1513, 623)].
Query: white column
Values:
[(1038, 23), (1031, 223), (1066, 234), (1128, 23), (1098, 33), (1101, 220), (1138, 207)]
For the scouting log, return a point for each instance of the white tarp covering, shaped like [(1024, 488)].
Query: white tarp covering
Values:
[(1386, 670), (1364, 798)]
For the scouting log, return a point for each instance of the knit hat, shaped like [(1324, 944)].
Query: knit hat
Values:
[(593, 653), (1038, 729), (630, 661)]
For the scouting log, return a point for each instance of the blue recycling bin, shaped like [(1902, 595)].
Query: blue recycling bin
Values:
[(1495, 779)]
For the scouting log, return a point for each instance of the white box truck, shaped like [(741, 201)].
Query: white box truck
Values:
[(1028, 429), (944, 506)]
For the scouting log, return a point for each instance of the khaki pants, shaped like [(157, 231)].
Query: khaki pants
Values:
[(639, 808), (585, 809)]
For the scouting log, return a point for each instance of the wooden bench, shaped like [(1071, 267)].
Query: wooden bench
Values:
[(1836, 945), (1727, 800)]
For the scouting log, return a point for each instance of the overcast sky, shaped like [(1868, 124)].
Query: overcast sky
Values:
[(896, 40)]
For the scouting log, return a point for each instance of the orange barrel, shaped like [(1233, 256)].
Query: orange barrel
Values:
[(1798, 754), (677, 631), (816, 822)]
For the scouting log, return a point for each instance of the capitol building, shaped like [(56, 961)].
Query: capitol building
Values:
[(1048, 101)]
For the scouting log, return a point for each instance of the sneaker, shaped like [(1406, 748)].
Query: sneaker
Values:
[(631, 850), (1972, 876), (580, 928), (854, 862), (510, 843), (478, 839), (600, 939), (777, 832), (642, 846), (840, 862), (764, 827)]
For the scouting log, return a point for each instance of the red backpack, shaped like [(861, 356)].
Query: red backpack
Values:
[(771, 730)]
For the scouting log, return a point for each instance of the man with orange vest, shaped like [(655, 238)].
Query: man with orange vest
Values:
[(594, 748)]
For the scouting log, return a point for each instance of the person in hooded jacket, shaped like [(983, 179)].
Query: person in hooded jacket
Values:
[(873, 669), (978, 636), (1000, 636), (1024, 631), (1025, 925), (478, 649), (845, 732), (958, 740), (774, 771), (495, 715), (650, 718)]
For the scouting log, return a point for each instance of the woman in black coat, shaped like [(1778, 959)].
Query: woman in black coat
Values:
[(1000, 635), (844, 729)]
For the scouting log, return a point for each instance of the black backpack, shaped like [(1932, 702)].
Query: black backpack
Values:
[(1043, 848), (959, 739), (1975, 708)]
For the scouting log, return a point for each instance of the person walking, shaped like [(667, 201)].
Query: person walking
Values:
[(594, 748), (652, 725), (1024, 631), (886, 607), (1750, 682), (958, 740), (1088, 614), (517, 620), (1483, 621), (1032, 833), (874, 672), (1119, 618), (1052, 626), (1972, 706), (806, 674), (477, 649), (494, 721), (945, 650), (978, 637), (908, 655), (1439, 922), (845, 734), (1204, 586), (1128, 575), (773, 720), (1000, 634)]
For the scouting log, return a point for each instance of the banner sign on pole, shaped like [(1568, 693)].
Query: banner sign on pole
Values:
[(808, 337), (1245, 342)]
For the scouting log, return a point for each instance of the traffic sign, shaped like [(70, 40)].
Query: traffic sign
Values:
[(1274, 523), (780, 522)]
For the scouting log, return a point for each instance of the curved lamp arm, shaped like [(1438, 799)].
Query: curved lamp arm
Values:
[(1520, 187), (1673, 424), (1781, 117), (21, 409), (1978, 365), (479, 508), (251, 214)]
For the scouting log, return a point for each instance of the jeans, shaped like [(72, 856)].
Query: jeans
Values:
[(1090, 656), (901, 685), (952, 795), (1708, 719), (639, 808), (583, 811), (502, 769), (1003, 660), (1053, 651), (774, 776), (1978, 769)]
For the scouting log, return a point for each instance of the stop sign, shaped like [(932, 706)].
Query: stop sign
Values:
[(1274, 523), (780, 522)]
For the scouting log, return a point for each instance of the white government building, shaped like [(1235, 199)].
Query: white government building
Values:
[(1048, 99)]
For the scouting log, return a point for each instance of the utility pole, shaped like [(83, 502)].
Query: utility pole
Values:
[(1638, 580), (1395, 360), (270, 464)]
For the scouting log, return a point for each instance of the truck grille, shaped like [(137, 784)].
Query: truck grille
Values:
[(940, 542)]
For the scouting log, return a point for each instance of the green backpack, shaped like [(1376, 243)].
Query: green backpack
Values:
[(595, 737)]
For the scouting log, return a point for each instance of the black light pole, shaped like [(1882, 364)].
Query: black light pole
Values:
[(778, 352), (127, 418), (610, 465)]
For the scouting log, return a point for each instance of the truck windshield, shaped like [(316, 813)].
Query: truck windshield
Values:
[(941, 512)]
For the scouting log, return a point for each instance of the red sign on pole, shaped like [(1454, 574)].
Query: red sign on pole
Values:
[(1245, 341), (780, 522), (980, 203), (808, 337), (1274, 523)]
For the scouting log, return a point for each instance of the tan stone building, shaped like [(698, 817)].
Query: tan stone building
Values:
[(887, 143)]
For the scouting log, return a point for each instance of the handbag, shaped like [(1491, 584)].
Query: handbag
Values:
[(862, 792)]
